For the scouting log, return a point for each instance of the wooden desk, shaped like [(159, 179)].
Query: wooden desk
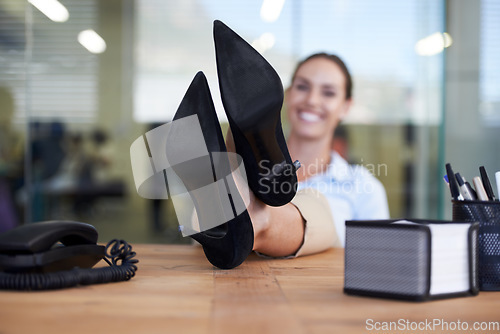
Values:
[(177, 291)]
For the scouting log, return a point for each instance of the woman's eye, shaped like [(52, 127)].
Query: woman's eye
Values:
[(329, 93), (301, 87)]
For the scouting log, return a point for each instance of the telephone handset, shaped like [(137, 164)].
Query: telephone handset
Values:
[(57, 254), (34, 247)]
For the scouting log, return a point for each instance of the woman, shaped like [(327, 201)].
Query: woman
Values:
[(330, 190)]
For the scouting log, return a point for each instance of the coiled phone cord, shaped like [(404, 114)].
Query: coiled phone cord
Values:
[(116, 251)]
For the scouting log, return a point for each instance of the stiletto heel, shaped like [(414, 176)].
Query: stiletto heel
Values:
[(252, 95), (227, 245)]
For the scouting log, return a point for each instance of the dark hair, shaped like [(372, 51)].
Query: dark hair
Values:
[(336, 60)]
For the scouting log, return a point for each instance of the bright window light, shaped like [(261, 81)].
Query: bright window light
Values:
[(433, 44), (91, 41), (53, 9), (271, 10)]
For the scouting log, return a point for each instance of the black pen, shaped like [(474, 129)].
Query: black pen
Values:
[(486, 183), (455, 192)]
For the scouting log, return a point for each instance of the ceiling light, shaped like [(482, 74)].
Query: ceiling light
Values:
[(433, 44), (271, 10), (264, 42), (53, 9), (91, 41)]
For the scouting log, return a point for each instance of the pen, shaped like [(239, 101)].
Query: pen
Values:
[(455, 192), (486, 183), (481, 193), (463, 188), (497, 178), (471, 190)]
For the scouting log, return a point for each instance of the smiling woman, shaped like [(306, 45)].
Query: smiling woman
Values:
[(318, 99), (330, 191)]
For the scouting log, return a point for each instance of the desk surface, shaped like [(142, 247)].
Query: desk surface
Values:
[(177, 291)]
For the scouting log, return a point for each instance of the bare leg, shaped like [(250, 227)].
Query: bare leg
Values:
[(278, 231)]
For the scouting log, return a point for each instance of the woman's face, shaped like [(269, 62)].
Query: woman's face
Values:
[(316, 101)]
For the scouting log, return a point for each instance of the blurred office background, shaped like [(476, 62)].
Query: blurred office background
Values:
[(80, 80)]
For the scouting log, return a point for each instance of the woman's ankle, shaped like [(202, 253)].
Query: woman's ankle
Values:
[(260, 215)]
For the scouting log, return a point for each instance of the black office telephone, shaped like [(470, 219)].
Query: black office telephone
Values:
[(59, 254)]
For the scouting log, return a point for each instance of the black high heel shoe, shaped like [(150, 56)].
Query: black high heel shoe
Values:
[(252, 95), (226, 246)]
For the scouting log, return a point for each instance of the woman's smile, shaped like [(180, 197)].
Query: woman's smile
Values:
[(309, 116)]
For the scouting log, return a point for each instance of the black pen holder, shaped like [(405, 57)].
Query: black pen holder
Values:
[(487, 214)]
